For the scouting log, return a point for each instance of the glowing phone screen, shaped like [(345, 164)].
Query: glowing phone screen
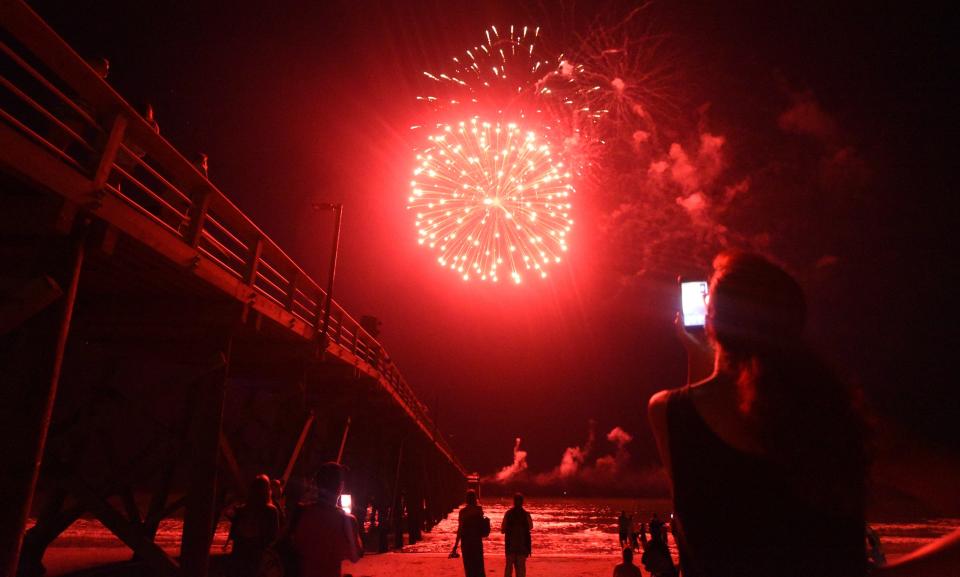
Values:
[(693, 297)]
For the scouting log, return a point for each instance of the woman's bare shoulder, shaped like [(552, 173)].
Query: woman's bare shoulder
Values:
[(657, 411), (657, 406)]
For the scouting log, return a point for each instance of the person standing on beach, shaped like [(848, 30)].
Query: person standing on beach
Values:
[(656, 556), (324, 535), (624, 526), (471, 529), (627, 568), (254, 526), (656, 528), (516, 527)]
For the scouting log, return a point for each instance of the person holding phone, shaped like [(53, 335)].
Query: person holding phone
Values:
[(770, 434), (325, 535)]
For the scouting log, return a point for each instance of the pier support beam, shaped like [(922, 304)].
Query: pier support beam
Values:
[(203, 456), (31, 356)]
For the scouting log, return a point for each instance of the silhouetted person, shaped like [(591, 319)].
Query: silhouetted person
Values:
[(624, 525), (656, 556), (324, 534), (627, 568), (255, 526), (470, 530), (278, 498), (771, 434), (656, 528), (875, 555), (516, 526)]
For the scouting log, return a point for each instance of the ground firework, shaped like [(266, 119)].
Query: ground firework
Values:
[(492, 200)]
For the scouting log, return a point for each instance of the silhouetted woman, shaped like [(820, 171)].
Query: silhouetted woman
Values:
[(470, 533), (770, 438), (255, 526)]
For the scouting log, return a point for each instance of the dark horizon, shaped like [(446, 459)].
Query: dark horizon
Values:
[(838, 119)]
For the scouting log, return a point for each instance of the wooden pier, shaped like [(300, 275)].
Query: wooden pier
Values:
[(157, 349)]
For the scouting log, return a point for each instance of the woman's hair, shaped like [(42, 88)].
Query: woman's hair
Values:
[(471, 497), (259, 491), (804, 415)]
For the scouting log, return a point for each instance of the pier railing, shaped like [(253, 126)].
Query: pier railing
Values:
[(66, 129)]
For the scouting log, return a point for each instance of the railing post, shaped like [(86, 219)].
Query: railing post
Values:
[(338, 212), (109, 152), (292, 290), (196, 216), (203, 456), (250, 276)]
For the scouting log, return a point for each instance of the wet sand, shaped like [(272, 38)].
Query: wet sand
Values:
[(113, 562), (413, 564)]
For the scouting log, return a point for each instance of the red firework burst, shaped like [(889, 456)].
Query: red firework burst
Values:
[(492, 200)]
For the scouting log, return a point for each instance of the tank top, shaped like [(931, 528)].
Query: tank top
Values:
[(735, 515)]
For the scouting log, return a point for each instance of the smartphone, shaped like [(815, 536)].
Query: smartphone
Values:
[(693, 298)]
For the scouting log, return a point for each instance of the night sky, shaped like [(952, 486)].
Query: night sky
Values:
[(837, 127)]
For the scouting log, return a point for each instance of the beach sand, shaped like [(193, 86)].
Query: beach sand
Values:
[(415, 564), (113, 562)]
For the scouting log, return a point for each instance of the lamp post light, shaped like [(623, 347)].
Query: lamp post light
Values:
[(337, 209)]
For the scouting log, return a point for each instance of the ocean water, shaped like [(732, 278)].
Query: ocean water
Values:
[(562, 527), (588, 527)]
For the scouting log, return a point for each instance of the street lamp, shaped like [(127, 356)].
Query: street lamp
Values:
[(337, 209)]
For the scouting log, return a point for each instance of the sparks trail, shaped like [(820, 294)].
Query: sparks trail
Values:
[(499, 73), (624, 78), (490, 197)]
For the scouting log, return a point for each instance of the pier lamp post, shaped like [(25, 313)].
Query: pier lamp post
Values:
[(337, 209)]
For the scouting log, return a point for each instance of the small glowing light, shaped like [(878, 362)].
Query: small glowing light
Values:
[(346, 503)]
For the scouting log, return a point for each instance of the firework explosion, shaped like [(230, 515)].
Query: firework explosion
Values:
[(493, 196), (492, 200)]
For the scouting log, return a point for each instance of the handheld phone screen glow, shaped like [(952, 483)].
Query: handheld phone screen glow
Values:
[(693, 298)]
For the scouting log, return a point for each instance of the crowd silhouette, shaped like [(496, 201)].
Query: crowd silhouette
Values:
[(769, 437)]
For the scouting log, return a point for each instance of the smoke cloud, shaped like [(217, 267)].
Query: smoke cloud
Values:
[(518, 466), (619, 437), (668, 204), (807, 118), (589, 468)]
